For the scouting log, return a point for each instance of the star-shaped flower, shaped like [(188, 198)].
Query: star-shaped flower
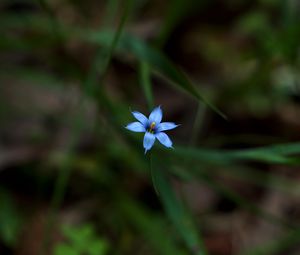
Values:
[(153, 128)]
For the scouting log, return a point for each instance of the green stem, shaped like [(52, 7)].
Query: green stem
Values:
[(153, 174), (178, 214), (197, 124), (116, 38), (145, 81)]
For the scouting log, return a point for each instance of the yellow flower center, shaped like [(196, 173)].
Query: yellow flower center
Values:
[(152, 126)]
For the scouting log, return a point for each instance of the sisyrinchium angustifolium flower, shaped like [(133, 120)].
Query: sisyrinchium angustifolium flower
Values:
[(152, 127)]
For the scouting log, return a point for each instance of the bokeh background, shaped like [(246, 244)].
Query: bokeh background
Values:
[(74, 181)]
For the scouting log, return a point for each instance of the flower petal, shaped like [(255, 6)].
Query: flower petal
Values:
[(166, 126), (164, 139), (156, 115), (136, 127), (149, 140), (141, 118)]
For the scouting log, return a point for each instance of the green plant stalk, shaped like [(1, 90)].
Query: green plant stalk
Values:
[(104, 56), (176, 11), (152, 175), (151, 226), (145, 80), (199, 119), (173, 207), (275, 154), (177, 213), (116, 38)]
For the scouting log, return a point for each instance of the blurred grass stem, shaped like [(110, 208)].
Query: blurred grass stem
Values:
[(145, 80), (198, 123)]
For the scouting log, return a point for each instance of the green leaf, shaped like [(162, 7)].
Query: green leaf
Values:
[(10, 219), (79, 235), (82, 239), (275, 154), (145, 81), (64, 249), (177, 213), (151, 226), (97, 247)]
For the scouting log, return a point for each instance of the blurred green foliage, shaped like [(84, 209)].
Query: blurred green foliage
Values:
[(11, 219), (81, 240), (72, 71)]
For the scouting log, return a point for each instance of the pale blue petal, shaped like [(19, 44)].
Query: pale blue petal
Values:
[(166, 126), (140, 117), (149, 140), (156, 115), (164, 139), (136, 127)]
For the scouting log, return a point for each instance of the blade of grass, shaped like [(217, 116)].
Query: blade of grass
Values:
[(275, 154), (176, 11), (177, 213), (117, 36), (197, 124), (144, 73), (174, 209), (103, 57), (152, 227)]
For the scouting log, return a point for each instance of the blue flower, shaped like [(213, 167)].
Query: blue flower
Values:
[(153, 128)]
